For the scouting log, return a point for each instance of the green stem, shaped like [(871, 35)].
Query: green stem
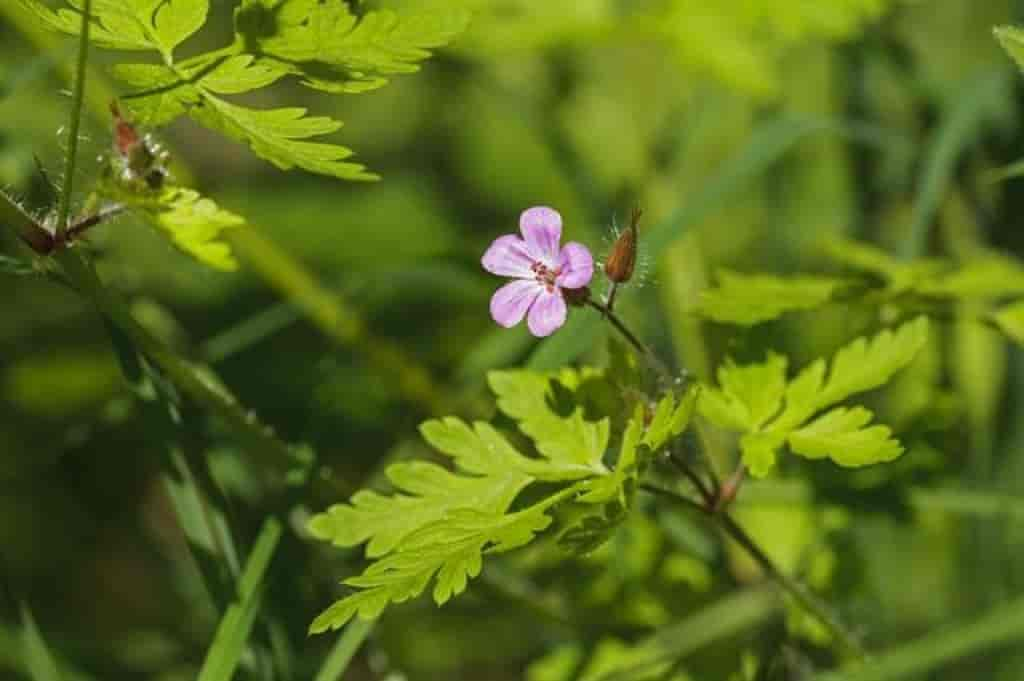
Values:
[(663, 371), (195, 380), (345, 649), (77, 97), (848, 643)]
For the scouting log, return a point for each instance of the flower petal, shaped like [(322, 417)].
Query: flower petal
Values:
[(510, 302), (542, 228), (508, 256), (577, 266), (547, 314)]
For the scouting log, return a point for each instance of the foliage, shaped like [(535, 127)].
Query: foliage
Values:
[(440, 523), (323, 44), (757, 401)]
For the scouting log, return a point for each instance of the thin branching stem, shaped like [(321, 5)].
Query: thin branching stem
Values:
[(74, 123), (632, 339), (847, 642)]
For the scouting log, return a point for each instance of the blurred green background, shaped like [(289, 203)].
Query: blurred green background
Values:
[(748, 130)]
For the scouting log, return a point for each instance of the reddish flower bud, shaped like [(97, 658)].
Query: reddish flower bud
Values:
[(622, 260)]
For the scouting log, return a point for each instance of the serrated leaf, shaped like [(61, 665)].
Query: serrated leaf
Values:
[(865, 365), (177, 20), (844, 436), (107, 28), (752, 299), (158, 25), (158, 95), (571, 439), (484, 451), (280, 136), (747, 395), (193, 222), (994, 276), (429, 493), (670, 419), (899, 275), (749, 398), (335, 51), (449, 550)]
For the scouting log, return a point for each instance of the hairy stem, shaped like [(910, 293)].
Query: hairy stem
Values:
[(632, 339), (848, 643), (77, 97), (195, 380)]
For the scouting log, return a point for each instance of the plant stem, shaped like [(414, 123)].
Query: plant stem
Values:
[(77, 97), (848, 643), (195, 380), (632, 338)]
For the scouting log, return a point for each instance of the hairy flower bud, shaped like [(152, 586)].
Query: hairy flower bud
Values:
[(622, 260)]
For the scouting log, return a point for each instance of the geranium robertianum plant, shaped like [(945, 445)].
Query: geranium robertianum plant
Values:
[(440, 523), (573, 450)]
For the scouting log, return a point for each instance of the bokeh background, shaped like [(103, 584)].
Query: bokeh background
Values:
[(749, 130)]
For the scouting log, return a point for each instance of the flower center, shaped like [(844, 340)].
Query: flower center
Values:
[(545, 275)]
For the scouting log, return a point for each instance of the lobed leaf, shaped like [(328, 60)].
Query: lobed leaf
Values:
[(752, 299), (280, 136), (747, 396), (430, 493), (333, 50), (842, 435), (450, 551), (526, 397)]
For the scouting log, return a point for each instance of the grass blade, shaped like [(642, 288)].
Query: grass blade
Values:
[(39, 663), (960, 125), (726, 617), (233, 631), (345, 649), (1000, 626)]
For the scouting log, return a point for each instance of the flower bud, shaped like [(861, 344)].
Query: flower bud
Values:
[(622, 260)]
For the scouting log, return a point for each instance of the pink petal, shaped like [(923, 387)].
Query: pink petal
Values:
[(542, 228), (547, 314), (508, 256), (577, 266), (510, 302)]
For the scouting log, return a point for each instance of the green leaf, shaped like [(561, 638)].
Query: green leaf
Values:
[(752, 299), (526, 397), (841, 435), (994, 276), (280, 136), (158, 25), (449, 550), (757, 401), (1012, 40), (108, 26), (40, 664), (335, 51), (748, 395), (229, 642), (669, 419), (1010, 320), (482, 450), (899, 275), (865, 365), (431, 493), (194, 223), (176, 20), (16, 266)]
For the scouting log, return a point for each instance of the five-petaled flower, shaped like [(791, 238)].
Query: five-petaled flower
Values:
[(541, 270)]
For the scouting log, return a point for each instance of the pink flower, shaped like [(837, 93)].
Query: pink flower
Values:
[(541, 270)]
